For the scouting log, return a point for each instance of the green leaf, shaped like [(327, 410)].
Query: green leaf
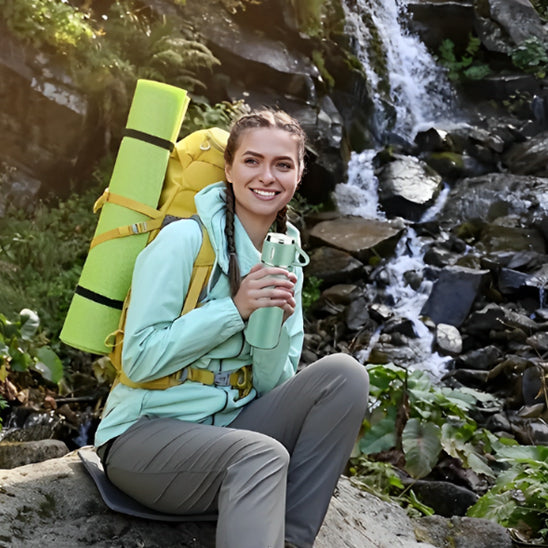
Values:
[(30, 322), (380, 437), (49, 364), (421, 447)]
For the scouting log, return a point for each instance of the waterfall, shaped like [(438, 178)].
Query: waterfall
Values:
[(409, 92)]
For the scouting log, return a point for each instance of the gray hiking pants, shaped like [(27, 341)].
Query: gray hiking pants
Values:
[(270, 475)]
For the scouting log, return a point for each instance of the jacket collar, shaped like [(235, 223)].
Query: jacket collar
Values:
[(211, 207)]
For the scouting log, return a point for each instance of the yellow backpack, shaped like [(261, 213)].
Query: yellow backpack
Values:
[(195, 162)]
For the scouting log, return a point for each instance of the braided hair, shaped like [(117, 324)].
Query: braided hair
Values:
[(264, 118)]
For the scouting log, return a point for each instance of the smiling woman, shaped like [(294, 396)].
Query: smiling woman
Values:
[(266, 459)]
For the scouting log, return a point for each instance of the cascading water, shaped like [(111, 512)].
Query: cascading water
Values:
[(409, 92)]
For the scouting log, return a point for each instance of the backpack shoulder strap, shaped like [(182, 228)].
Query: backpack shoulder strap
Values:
[(201, 270), (203, 264)]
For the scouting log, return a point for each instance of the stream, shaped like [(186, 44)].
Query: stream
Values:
[(412, 94)]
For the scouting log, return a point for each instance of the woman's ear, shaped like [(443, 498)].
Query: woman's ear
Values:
[(227, 173)]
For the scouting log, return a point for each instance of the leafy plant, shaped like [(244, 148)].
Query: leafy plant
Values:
[(419, 421), (519, 498), (382, 480), (530, 56), (42, 254), (311, 291), (468, 66), (24, 347)]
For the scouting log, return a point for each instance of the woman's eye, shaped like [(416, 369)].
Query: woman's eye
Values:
[(285, 165), (250, 161)]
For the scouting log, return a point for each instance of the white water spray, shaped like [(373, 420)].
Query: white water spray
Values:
[(410, 95)]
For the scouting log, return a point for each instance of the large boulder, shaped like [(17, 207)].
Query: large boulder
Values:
[(55, 503)]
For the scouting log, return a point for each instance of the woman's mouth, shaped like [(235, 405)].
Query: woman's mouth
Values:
[(265, 193)]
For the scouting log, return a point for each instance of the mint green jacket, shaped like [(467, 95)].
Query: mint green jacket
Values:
[(159, 341)]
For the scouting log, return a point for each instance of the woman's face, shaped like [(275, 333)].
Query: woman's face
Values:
[(264, 173)]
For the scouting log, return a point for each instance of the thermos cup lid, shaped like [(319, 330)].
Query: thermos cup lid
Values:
[(277, 238)]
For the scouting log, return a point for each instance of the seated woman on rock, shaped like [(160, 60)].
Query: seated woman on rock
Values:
[(266, 459)]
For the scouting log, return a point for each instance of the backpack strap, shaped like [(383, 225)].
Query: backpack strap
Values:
[(155, 215), (201, 271)]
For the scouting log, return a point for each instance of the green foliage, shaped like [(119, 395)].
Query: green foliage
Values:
[(382, 480), (531, 57), (52, 23), (468, 66), (232, 6), (409, 411), (542, 7), (42, 254), (519, 498), (311, 291), (107, 52), (201, 114), (24, 347)]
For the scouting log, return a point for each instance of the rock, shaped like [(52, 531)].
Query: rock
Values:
[(480, 197), (14, 454), (447, 499), (407, 187), (448, 339), (530, 157), (357, 236), (340, 293), (457, 531), (55, 503), (334, 265), (482, 359), (504, 24), (453, 294)]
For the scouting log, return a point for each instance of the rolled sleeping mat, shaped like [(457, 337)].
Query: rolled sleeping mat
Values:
[(154, 121)]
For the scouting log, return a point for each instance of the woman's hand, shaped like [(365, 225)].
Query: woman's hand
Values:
[(259, 289)]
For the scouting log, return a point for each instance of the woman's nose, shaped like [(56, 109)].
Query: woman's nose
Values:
[(267, 175)]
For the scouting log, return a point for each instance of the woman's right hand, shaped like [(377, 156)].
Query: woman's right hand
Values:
[(259, 289)]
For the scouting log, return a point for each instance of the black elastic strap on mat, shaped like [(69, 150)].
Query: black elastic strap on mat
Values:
[(120, 502), (148, 138), (98, 298)]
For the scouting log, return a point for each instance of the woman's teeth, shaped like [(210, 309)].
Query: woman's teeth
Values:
[(265, 193)]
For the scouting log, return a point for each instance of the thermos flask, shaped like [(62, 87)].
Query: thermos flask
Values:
[(264, 325)]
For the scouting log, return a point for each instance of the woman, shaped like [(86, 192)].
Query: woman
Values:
[(267, 460)]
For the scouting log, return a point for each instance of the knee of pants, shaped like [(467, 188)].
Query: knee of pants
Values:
[(264, 451), (355, 387)]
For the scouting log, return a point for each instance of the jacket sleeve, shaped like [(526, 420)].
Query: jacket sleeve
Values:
[(159, 341), (273, 367)]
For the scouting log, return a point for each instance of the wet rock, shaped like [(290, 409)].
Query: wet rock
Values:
[(435, 140), (357, 315), (495, 237), (483, 359), (504, 24), (407, 187), (482, 197), (530, 157), (362, 238), (469, 377), (453, 294), (539, 341), (448, 339), (334, 266), (340, 293)]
